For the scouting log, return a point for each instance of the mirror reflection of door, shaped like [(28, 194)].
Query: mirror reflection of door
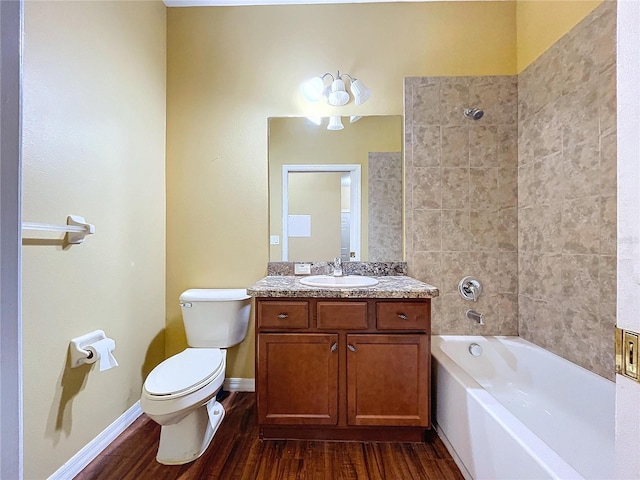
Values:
[(321, 212), (316, 194), (345, 217)]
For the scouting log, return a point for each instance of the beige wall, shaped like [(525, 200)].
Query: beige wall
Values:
[(229, 69), (542, 23), (94, 136)]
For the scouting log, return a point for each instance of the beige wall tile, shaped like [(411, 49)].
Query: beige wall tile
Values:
[(483, 227), (581, 220), (507, 194), (427, 232), (426, 146), (526, 185), (607, 105), (483, 146), (454, 98), (455, 230), (547, 130), (483, 188), (608, 225), (507, 233), (508, 272), (427, 188), (455, 188), (608, 163), (548, 178), (548, 228), (455, 146), (426, 104)]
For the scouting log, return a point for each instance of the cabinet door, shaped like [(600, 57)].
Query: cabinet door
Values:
[(297, 379), (388, 380)]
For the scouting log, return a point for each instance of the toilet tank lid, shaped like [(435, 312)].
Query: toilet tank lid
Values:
[(214, 295)]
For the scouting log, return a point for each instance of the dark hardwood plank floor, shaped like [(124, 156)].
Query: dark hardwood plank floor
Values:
[(236, 452)]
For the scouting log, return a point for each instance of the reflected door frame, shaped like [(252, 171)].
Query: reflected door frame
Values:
[(355, 203)]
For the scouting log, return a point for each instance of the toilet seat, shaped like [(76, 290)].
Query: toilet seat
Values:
[(184, 373)]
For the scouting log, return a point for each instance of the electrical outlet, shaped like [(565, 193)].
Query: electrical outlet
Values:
[(302, 268), (274, 239)]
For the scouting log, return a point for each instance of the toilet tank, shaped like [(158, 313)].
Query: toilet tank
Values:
[(215, 318)]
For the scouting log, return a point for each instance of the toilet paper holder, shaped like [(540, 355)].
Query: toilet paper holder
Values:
[(78, 348)]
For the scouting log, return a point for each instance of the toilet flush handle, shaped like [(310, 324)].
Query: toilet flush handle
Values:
[(186, 304)]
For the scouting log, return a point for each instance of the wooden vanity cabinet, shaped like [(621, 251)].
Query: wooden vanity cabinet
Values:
[(351, 370)]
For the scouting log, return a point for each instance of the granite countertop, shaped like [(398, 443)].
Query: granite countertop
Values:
[(393, 286)]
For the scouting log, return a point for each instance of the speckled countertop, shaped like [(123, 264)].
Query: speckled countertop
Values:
[(393, 286)]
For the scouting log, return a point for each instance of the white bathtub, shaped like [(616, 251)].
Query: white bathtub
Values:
[(517, 411)]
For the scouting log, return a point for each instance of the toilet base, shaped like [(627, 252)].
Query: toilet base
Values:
[(188, 439)]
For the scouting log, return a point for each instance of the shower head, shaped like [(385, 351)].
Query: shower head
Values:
[(473, 113)]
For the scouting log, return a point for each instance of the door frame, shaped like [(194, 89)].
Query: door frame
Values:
[(11, 34), (355, 202)]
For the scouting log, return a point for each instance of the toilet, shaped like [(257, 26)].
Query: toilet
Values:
[(180, 393)]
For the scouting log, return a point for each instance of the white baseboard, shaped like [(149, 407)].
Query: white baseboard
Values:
[(240, 384), (91, 450)]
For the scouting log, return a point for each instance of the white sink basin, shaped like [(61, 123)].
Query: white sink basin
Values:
[(347, 281)]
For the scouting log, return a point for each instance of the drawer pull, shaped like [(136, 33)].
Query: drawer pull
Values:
[(402, 316), (334, 347), (282, 316), (352, 348)]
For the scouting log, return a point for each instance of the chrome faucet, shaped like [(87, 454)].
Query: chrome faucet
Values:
[(475, 317), (337, 267)]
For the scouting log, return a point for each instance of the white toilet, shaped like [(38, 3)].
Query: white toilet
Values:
[(180, 393)]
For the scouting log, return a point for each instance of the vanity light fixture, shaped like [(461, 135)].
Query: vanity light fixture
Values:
[(335, 92)]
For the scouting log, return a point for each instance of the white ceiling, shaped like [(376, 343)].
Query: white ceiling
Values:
[(220, 3)]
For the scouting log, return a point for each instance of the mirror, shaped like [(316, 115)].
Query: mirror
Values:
[(330, 210)]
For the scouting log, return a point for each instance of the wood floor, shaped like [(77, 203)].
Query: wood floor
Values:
[(236, 452)]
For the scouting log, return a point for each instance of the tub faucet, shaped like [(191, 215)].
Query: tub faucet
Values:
[(337, 267), (475, 316)]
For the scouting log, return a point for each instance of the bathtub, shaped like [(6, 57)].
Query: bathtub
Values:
[(517, 411)]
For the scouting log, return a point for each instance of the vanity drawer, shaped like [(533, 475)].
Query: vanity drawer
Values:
[(342, 315), (283, 314), (402, 315)]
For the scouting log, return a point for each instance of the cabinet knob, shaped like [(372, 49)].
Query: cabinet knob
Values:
[(402, 316), (352, 348), (282, 316), (334, 347)]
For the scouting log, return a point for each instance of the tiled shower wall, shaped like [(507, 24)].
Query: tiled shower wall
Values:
[(534, 217), (567, 195), (385, 206), (461, 197)]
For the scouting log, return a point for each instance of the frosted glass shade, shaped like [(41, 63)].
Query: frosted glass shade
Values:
[(360, 92), (338, 95), (335, 123), (312, 89)]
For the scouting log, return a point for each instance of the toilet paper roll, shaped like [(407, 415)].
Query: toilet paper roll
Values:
[(101, 353)]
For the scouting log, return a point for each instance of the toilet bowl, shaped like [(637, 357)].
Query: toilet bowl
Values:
[(180, 393)]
